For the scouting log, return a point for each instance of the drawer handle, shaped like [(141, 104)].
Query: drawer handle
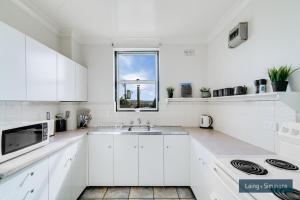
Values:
[(109, 146), (25, 178), (167, 147), (135, 147), (70, 159), (27, 193), (142, 147)]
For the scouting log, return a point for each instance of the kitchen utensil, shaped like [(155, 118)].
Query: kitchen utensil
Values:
[(206, 121), (215, 93), (240, 90), (60, 125), (256, 83), (262, 86), (228, 91), (221, 92)]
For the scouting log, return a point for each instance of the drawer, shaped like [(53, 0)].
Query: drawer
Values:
[(18, 185)]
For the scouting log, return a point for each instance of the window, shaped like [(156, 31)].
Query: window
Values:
[(136, 80)]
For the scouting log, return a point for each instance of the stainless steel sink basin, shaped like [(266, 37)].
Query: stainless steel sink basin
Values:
[(139, 130)]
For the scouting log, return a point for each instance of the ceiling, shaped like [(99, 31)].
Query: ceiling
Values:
[(114, 20)]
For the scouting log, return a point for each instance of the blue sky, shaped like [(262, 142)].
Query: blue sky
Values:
[(143, 67), (136, 66)]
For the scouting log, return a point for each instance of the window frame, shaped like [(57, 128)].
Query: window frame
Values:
[(118, 81)]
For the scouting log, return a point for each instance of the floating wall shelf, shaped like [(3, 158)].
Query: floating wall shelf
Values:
[(292, 99)]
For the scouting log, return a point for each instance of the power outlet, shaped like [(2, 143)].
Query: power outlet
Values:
[(189, 52)]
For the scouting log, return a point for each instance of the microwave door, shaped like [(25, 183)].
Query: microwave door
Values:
[(16, 139)]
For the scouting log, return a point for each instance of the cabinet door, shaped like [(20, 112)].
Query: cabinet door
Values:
[(101, 162), (176, 153), (151, 160), (201, 176), (59, 176), (126, 160), (81, 83), (40, 71), (30, 183), (66, 75), (78, 169), (12, 64)]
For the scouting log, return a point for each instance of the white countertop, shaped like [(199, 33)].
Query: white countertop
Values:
[(165, 130), (216, 142), (221, 144), (57, 142)]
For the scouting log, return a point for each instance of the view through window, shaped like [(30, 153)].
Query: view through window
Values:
[(136, 80)]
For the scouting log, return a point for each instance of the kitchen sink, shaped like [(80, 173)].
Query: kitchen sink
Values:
[(139, 130)]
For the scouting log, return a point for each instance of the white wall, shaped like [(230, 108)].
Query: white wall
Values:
[(22, 21), (174, 68), (273, 41)]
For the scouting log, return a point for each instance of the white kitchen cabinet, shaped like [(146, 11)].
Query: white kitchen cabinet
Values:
[(81, 83), (202, 179), (40, 71), (66, 79), (126, 160), (101, 160), (59, 175), (151, 160), (12, 64), (176, 160), (67, 172), (78, 168), (30, 183)]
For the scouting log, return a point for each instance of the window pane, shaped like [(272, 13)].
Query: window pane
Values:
[(133, 66), (137, 96)]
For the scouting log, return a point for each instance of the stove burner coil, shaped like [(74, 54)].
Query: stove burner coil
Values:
[(282, 164), (281, 194), (249, 167)]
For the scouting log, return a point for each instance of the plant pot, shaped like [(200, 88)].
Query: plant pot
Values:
[(170, 94), (279, 86), (205, 94)]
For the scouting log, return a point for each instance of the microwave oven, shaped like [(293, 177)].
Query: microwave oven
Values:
[(19, 139)]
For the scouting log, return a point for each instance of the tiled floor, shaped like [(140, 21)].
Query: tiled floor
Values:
[(161, 193)]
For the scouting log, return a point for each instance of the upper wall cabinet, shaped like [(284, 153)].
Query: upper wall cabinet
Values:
[(66, 79), (12, 64), (81, 83), (40, 71)]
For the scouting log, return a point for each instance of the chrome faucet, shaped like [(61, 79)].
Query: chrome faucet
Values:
[(139, 121)]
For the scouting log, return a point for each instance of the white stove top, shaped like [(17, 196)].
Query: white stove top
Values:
[(273, 172)]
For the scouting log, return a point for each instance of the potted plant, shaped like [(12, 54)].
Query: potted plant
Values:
[(205, 92), (170, 91), (279, 76)]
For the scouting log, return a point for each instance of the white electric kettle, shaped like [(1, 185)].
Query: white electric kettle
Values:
[(206, 121)]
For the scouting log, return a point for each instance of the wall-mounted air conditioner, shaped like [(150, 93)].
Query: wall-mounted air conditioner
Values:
[(238, 35)]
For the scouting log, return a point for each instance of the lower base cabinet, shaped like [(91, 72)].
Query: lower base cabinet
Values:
[(202, 182), (139, 160), (101, 160), (126, 160), (176, 160), (30, 183), (67, 172), (151, 166)]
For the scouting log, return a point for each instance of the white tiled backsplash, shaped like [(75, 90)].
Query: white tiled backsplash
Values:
[(15, 111)]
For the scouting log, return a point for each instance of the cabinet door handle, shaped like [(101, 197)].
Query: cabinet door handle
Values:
[(109, 146), (25, 178), (66, 163), (27, 193), (142, 147), (135, 147), (167, 147)]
